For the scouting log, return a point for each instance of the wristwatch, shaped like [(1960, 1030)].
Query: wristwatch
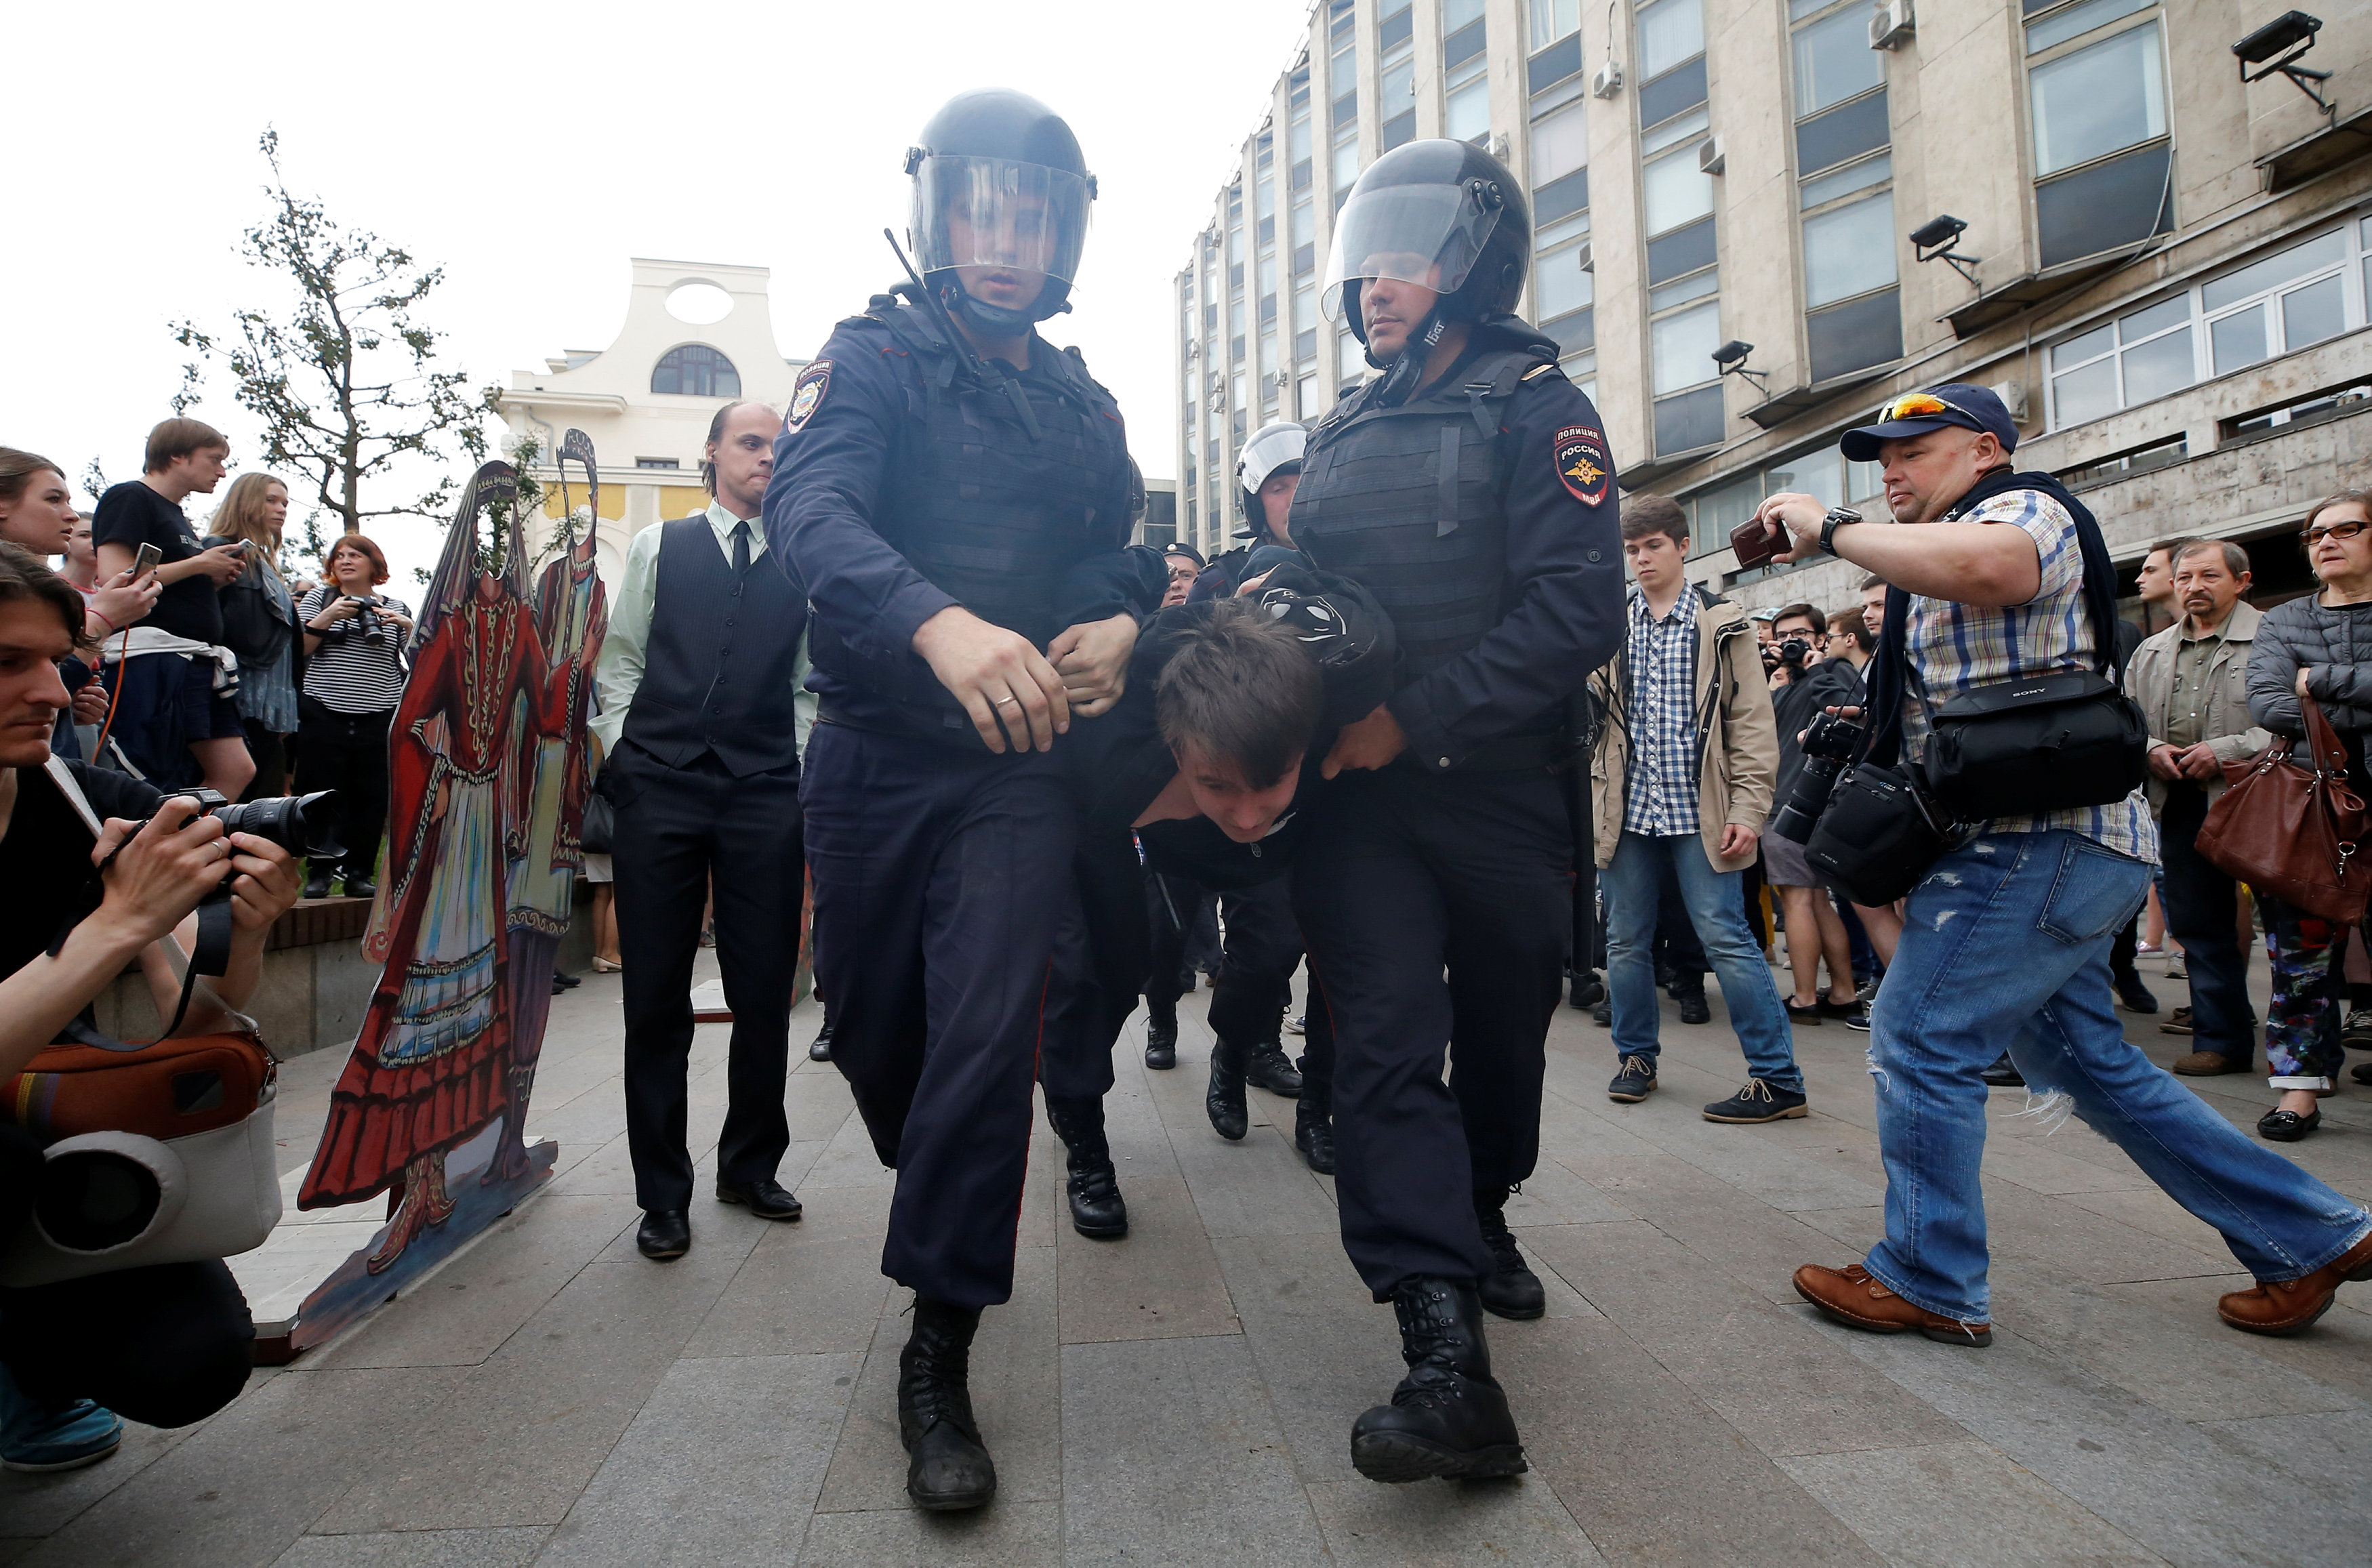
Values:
[(1838, 517)]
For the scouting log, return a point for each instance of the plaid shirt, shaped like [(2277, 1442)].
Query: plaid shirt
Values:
[(1954, 647), (1661, 783)]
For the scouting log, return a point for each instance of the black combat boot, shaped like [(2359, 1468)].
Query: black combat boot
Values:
[(1313, 1131), (1268, 1067), (1160, 1038), (1449, 1417), (1225, 1099), (947, 1468), (1095, 1206), (1510, 1289)]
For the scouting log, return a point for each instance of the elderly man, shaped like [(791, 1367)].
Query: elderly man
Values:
[(2192, 682)]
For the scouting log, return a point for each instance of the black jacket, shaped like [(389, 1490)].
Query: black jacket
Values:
[(2335, 643)]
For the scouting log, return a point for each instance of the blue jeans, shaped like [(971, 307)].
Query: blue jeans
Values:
[(2007, 943), (1716, 910)]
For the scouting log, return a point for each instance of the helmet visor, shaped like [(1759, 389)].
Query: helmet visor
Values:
[(1428, 235), (993, 211), (1269, 449)]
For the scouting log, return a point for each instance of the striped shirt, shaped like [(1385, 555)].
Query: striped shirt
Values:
[(1660, 779), (352, 672), (1955, 647)]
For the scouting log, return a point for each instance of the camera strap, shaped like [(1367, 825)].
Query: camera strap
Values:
[(214, 924)]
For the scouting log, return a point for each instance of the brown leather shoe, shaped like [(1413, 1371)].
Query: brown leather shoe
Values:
[(2208, 1063), (2290, 1306), (1849, 1295)]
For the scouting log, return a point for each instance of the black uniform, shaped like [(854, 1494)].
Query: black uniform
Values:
[(910, 477), (1480, 513), (705, 783)]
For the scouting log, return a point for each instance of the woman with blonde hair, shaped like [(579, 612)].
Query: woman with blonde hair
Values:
[(259, 626)]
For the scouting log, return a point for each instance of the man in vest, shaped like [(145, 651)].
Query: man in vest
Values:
[(955, 494), (1469, 490), (697, 686)]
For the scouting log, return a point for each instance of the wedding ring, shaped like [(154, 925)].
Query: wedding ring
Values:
[(1002, 700)]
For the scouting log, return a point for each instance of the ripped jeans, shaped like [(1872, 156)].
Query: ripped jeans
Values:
[(2007, 943)]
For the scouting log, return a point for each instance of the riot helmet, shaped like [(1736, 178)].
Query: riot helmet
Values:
[(1274, 448), (999, 182), (1444, 215)]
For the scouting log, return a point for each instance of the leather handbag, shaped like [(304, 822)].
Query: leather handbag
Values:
[(2288, 824), (601, 822)]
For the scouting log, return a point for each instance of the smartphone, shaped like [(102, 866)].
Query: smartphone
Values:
[(1756, 542), (145, 560)]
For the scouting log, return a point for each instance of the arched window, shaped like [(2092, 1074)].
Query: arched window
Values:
[(696, 370)]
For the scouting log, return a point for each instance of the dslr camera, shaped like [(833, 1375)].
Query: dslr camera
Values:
[(1792, 652), (297, 824), (1829, 744)]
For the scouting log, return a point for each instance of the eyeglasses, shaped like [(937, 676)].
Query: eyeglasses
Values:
[(2348, 529), (1921, 405)]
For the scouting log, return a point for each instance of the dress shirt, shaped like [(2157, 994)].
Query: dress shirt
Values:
[(619, 670), (1660, 794)]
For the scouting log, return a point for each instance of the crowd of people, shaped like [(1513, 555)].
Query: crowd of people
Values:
[(1452, 712)]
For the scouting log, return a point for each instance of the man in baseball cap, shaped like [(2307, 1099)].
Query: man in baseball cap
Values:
[(1917, 413)]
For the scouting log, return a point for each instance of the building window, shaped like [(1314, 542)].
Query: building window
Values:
[(1852, 302), (1560, 171), (2103, 166), (1671, 59), (1821, 472), (1562, 298), (1396, 83), (1465, 73), (1687, 386), (2296, 297), (1342, 81), (1305, 239), (1555, 43), (658, 463), (695, 370), (1297, 137)]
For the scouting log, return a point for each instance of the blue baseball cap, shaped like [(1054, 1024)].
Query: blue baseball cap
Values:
[(1955, 403)]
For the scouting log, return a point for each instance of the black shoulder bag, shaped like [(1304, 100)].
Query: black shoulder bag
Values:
[(2017, 747)]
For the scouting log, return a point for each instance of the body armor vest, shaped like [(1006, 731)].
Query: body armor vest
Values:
[(997, 480), (717, 669), (1405, 502)]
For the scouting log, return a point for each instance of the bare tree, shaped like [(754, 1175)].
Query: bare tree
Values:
[(346, 384)]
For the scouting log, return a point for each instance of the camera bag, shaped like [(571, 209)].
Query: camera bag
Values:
[(2036, 744), (155, 1154), (1878, 835)]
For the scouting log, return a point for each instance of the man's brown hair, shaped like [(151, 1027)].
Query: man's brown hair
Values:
[(1802, 612), (178, 438), (1643, 515), (1240, 689), (24, 575)]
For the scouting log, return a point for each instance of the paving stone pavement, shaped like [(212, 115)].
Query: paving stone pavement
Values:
[(1184, 1395)]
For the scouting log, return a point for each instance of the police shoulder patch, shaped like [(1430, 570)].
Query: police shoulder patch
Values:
[(1582, 462), (807, 393)]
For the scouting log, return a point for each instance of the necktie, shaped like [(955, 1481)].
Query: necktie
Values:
[(740, 546)]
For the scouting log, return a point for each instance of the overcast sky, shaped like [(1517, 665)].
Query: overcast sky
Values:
[(531, 149)]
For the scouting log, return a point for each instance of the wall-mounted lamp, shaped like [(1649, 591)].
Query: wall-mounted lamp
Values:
[(1934, 240), (2289, 35), (1730, 358)]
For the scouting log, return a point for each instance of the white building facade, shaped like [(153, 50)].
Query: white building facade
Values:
[(2167, 270), (697, 335)]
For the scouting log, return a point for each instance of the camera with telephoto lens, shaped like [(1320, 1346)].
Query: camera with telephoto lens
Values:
[(374, 630), (300, 824), (1829, 745)]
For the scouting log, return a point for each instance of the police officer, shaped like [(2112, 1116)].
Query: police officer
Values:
[(954, 493), (1469, 490)]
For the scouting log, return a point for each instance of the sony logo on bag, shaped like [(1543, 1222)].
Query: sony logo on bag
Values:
[(2034, 691)]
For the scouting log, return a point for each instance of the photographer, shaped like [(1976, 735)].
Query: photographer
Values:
[(2001, 578), (353, 678), (1815, 931), (166, 1345)]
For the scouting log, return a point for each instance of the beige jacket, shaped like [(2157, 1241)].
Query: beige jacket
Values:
[(2150, 679), (1738, 740)]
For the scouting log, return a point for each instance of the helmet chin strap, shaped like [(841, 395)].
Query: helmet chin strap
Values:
[(1401, 377), (994, 322)]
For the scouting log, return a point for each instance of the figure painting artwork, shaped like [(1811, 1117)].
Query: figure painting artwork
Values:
[(489, 777)]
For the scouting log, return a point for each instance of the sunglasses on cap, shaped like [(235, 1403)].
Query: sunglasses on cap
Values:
[(1921, 406)]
